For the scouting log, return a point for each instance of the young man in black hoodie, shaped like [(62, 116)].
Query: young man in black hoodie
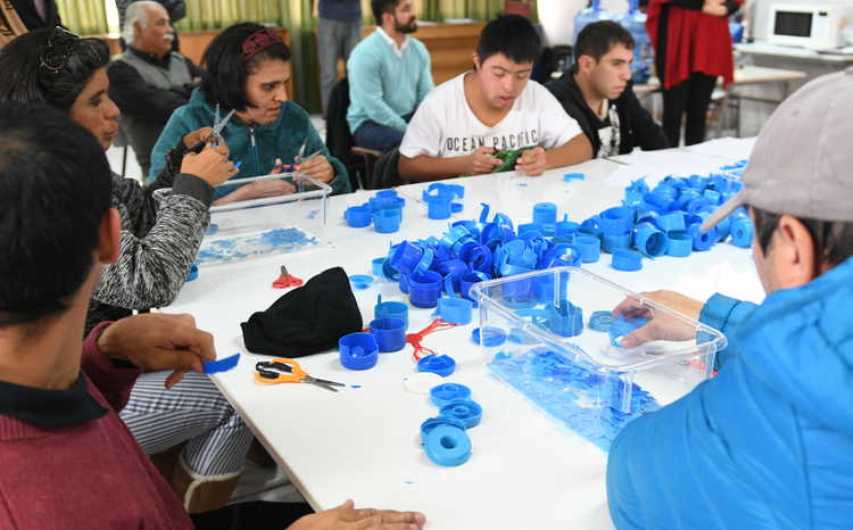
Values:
[(597, 93)]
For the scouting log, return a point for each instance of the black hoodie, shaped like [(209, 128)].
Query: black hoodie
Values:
[(636, 126)]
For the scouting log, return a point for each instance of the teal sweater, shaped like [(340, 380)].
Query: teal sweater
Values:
[(256, 148), (383, 86)]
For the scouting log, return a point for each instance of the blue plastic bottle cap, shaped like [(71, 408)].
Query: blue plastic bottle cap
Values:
[(377, 267), (617, 220), (590, 247), (601, 321), (455, 310), (456, 207), (358, 351), (432, 423), (405, 256), (392, 310), (403, 283), (361, 281), (390, 334), (387, 221), (438, 206), (627, 260), (544, 213), (424, 289), (742, 232), (649, 240), (467, 411), (492, 337), (221, 365), (390, 272), (704, 241), (565, 321), (680, 244), (193, 273), (613, 242), (442, 365), (357, 216), (441, 395), (447, 446), (671, 222)]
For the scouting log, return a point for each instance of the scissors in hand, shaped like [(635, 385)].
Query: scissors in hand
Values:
[(281, 370)]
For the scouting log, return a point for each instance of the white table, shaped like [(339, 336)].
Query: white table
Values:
[(526, 470)]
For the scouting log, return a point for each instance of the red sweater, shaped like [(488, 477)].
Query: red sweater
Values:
[(695, 42), (68, 462)]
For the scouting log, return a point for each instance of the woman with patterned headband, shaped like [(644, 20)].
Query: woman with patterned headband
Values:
[(248, 68), (162, 225)]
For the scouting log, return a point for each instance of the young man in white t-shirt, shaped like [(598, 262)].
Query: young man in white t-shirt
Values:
[(465, 122)]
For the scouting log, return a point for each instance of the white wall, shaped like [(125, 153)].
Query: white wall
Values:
[(558, 17)]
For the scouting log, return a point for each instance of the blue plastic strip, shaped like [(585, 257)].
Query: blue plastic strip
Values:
[(221, 365), (442, 365)]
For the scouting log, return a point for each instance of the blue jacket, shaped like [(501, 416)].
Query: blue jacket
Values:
[(256, 148), (768, 443)]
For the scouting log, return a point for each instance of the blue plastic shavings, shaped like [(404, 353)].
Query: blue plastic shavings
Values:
[(278, 240), (577, 396), (221, 365)]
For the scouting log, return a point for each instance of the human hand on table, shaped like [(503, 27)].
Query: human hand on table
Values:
[(662, 326), (532, 162), (346, 517), (481, 161), (318, 168), (155, 342), (716, 8)]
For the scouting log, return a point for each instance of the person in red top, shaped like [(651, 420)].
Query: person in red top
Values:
[(67, 461), (693, 47)]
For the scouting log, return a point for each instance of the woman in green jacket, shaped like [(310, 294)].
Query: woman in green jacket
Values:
[(248, 68)]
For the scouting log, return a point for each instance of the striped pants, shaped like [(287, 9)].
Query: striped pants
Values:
[(193, 411)]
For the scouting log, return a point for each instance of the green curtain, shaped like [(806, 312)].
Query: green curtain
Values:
[(86, 17), (476, 9)]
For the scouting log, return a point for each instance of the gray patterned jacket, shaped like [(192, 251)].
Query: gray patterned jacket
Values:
[(162, 228)]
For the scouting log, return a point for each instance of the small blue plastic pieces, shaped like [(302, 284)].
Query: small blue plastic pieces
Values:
[(468, 280), (193, 273), (617, 221), (220, 365), (447, 446), (456, 207), (447, 393), (589, 246), (568, 177), (544, 213), (614, 242), (465, 410), (390, 334), (622, 327), (387, 221), (377, 267), (438, 206), (627, 261), (358, 216), (425, 289), (492, 337), (361, 281), (442, 365), (455, 310), (392, 310), (565, 320), (432, 423), (671, 222), (649, 240), (742, 232), (601, 321), (359, 351), (704, 241)]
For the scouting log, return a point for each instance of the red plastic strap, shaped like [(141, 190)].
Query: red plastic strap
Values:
[(286, 280), (416, 339)]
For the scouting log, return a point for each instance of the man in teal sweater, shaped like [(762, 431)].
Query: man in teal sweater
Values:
[(389, 75)]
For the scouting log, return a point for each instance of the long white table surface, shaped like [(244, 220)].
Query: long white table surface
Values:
[(526, 470)]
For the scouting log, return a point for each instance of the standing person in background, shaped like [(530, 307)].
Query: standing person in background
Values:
[(338, 31), (390, 74), (693, 47), (20, 16)]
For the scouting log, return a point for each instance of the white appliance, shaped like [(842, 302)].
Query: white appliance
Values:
[(817, 26)]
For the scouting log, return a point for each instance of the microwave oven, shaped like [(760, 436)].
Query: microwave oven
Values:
[(816, 26)]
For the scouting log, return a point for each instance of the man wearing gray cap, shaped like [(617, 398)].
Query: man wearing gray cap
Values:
[(768, 443)]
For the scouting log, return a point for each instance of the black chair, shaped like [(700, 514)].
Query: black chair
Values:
[(358, 160)]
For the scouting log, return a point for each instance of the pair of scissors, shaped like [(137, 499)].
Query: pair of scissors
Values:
[(216, 137), (282, 370)]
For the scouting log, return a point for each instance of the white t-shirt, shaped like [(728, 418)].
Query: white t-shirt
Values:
[(445, 126)]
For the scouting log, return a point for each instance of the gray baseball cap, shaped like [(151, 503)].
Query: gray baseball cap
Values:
[(802, 162)]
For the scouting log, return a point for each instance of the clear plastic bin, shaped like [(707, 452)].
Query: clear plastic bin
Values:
[(266, 226), (579, 375)]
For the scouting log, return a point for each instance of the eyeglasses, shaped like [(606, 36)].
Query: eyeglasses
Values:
[(59, 47)]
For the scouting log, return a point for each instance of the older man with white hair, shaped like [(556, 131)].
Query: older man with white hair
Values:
[(149, 80)]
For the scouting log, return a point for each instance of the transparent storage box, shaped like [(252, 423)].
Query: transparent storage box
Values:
[(272, 225), (583, 376)]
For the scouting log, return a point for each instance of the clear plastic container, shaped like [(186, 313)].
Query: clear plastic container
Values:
[(273, 225), (580, 375)]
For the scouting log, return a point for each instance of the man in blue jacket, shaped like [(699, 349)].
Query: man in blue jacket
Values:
[(768, 443)]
